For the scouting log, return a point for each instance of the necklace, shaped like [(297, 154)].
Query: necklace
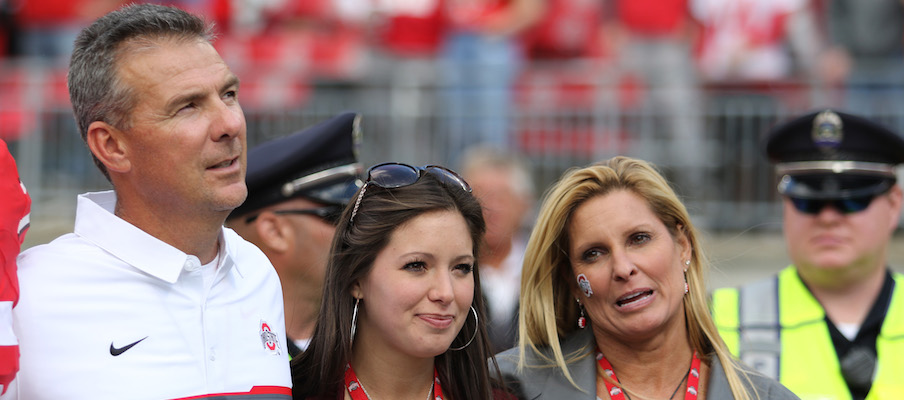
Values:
[(352, 384), (616, 393)]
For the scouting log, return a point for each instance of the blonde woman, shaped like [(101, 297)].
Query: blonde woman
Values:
[(613, 301)]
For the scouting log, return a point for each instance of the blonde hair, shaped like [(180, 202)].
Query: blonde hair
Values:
[(548, 310)]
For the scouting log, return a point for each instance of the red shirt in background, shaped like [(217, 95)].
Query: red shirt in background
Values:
[(48, 12), (652, 17), (413, 30)]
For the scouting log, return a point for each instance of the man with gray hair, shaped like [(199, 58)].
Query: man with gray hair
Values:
[(501, 180), (150, 297)]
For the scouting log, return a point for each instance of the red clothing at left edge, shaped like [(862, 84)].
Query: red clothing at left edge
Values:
[(14, 220)]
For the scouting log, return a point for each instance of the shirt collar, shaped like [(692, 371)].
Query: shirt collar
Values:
[(229, 250), (96, 223)]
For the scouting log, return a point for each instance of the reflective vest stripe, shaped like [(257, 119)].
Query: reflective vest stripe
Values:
[(759, 331)]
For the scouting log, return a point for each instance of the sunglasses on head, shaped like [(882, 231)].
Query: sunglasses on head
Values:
[(396, 175), (329, 214), (844, 206)]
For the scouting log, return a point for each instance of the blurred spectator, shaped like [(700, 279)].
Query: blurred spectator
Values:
[(501, 181), (651, 41), (14, 221), (481, 56), (866, 50), (48, 27), (568, 30), (756, 40), (409, 28)]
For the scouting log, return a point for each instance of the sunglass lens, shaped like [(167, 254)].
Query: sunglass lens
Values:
[(807, 206), (393, 175), (845, 206), (854, 205), (448, 177)]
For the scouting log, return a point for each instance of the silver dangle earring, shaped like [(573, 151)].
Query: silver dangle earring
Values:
[(582, 321), (351, 339), (473, 335)]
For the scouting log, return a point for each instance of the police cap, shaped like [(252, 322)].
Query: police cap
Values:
[(833, 155), (319, 163)]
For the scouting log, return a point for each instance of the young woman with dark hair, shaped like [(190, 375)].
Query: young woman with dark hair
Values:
[(402, 308)]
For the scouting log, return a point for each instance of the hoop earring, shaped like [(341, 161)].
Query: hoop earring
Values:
[(351, 339), (476, 324)]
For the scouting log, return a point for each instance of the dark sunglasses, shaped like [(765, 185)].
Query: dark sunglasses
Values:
[(844, 206), (329, 214), (396, 175)]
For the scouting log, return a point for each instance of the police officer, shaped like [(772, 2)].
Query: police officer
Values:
[(297, 187), (830, 325)]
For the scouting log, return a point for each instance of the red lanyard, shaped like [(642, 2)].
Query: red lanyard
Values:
[(616, 393), (357, 392)]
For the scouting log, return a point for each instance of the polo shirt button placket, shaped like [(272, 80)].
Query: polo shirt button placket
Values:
[(192, 266)]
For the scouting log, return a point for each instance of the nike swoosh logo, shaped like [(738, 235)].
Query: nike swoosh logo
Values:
[(117, 351)]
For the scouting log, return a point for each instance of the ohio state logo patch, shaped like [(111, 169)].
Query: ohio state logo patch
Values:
[(269, 339)]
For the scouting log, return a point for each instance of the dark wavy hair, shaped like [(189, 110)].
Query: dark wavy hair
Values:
[(319, 371)]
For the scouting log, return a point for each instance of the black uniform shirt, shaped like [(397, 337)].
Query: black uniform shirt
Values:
[(858, 357)]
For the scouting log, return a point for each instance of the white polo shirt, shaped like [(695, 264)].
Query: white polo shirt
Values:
[(110, 312)]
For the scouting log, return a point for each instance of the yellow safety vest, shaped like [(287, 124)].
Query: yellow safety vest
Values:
[(777, 327)]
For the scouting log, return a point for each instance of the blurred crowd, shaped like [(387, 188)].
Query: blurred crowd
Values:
[(285, 270), (477, 66), (698, 41), (482, 51)]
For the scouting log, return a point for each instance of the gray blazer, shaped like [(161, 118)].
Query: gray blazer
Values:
[(550, 383)]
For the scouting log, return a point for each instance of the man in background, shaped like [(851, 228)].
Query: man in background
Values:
[(501, 180), (830, 325), (298, 186)]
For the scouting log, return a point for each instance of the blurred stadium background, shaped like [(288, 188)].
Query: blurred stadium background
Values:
[(575, 97)]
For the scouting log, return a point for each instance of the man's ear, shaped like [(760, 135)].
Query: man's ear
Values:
[(107, 143), (895, 197), (275, 232)]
